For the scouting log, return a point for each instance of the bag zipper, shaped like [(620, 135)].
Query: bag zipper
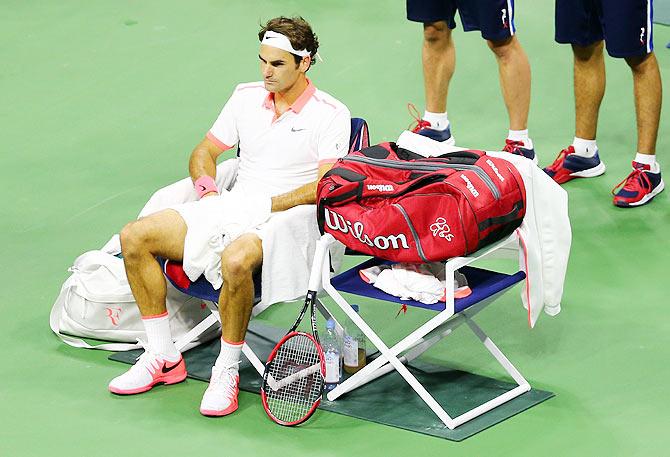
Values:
[(430, 167), (415, 235)]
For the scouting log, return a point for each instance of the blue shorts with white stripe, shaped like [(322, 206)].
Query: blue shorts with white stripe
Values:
[(625, 25), (493, 18)]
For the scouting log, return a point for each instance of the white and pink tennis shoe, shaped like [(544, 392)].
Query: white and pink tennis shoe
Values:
[(220, 398), (149, 370)]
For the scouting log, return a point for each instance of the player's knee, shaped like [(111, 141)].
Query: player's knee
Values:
[(436, 33), (234, 265), (640, 63), (133, 239), (587, 53), (503, 49)]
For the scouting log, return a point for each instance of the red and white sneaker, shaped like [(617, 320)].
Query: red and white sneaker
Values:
[(520, 149), (568, 166), (424, 128), (149, 370), (220, 398), (639, 187)]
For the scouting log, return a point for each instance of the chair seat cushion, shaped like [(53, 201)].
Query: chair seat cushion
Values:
[(201, 288)]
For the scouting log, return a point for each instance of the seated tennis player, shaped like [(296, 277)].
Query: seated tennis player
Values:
[(289, 134)]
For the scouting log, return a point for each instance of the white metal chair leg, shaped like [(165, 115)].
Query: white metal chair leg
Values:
[(196, 331), (416, 343), (498, 354)]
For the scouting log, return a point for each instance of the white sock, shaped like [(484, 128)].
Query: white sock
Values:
[(521, 135), (230, 354), (159, 336), (648, 159), (584, 148), (438, 121)]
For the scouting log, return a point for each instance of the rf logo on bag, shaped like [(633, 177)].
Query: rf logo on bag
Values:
[(114, 315), (441, 229)]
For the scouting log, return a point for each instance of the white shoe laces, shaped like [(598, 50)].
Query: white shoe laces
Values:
[(147, 360), (224, 378)]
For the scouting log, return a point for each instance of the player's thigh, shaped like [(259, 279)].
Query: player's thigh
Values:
[(162, 234), (242, 256), (627, 27)]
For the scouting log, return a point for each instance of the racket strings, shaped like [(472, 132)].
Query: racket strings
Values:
[(292, 402)]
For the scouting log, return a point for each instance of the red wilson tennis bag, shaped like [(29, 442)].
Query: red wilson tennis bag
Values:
[(395, 204)]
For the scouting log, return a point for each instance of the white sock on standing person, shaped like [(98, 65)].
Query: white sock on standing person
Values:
[(584, 148), (648, 159), (438, 121), (522, 136)]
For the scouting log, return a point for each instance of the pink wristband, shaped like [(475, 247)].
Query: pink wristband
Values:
[(204, 185)]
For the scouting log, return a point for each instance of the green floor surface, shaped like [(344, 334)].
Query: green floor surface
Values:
[(388, 400), (662, 12), (101, 103)]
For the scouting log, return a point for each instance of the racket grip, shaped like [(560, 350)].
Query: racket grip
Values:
[(318, 264)]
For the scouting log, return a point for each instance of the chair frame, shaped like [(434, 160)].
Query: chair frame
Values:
[(424, 337)]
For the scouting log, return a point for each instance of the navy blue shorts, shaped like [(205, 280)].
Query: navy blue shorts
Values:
[(625, 25), (494, 18)]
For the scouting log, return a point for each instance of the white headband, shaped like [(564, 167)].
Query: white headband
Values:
[(277, 40)]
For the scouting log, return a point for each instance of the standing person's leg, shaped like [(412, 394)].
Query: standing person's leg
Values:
[(239, 261), (514, 72), (629, 35), (589, 87), (161, 234), (578, 24), (648, 95), (495, 20), (438, 60)]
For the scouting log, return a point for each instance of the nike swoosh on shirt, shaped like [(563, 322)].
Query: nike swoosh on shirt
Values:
[(293, 129), (167, 369)]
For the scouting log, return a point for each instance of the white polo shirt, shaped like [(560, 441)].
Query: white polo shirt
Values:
[(280, 154)]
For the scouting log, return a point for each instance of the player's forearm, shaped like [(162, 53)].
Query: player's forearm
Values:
[(304, 195), (201, 163)]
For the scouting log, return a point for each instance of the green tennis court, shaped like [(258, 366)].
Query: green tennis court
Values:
[(101, 103)]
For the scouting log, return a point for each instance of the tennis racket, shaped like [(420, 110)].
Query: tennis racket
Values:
[(294, 373)]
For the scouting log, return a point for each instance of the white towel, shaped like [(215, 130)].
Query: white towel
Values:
[(213, 224), (424, 282)]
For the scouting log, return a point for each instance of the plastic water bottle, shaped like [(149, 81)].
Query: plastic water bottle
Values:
[(332, 350), (354, 347)]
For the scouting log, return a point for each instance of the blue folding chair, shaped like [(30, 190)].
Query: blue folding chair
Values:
[(486, 286)]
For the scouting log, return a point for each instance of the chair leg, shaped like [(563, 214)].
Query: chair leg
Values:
[(196, 331), (497, 353)]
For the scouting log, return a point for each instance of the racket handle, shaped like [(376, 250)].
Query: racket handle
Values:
[(319, 256)]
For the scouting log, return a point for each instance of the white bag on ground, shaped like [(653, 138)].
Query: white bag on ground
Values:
[(96, 302)]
